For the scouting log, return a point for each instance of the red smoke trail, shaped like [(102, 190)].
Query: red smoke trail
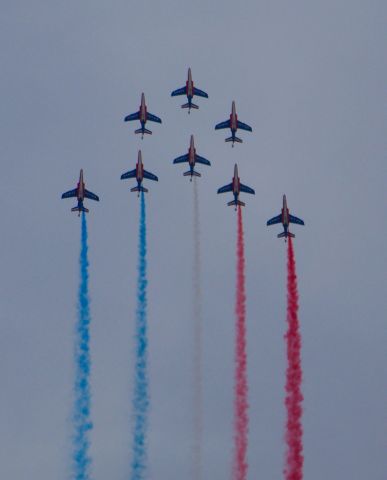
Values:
[(240, 401), (294, 398)]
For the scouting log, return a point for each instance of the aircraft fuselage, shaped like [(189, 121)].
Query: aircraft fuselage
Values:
[(285, 214), (143, 110), (192, 153), (81, 188), (233, 119), (189, 86)]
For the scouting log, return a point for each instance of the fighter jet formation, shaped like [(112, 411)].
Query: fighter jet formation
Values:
[(191, 157)]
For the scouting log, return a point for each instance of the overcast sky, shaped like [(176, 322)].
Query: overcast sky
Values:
[(310, 78)]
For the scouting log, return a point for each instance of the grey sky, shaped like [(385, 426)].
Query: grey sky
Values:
[(310, 78)]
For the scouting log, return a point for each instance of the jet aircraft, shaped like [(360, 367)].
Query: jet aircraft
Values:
[(139, 174), (143, 115), (190, 90), (192, 158), (285, 218), (233, 124), (236, 187), (80, 193)]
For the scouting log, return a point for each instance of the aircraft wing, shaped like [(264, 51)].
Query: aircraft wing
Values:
[(179, 91), (130, 174), (293, 219), (225, 124), (150, 176), (226, 188), (244, 126), (91, 195), (70, 193), (274, 220), (182, 159), (202, 160), (246, 189), (153, 118), (132, 116), (199, 93)]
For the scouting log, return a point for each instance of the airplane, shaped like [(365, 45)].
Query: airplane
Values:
[(139, 174), (190, 91), (143, 115), (236, 187), (80, 193), (285, 218), (233, 124), (191, 157)]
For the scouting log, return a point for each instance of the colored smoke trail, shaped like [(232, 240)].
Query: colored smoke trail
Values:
[(141, 393), (81, 415), (294, 398), (197, 319), (241, 389)]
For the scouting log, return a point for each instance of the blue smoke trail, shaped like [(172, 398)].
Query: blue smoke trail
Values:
[(141, 394), (81, 415)]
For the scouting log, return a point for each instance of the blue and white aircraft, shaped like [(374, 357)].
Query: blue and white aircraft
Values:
[(236, 187), (190, 90), (233, 124), (80, 193), (143, 115), (285, 218), (139, 174), (192, 158)]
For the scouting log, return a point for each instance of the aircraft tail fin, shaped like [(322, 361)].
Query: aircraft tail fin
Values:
[(139, 189), (193, 173), (284, 234), (238, 202), (234, 139), (190, 105), (142, 131)]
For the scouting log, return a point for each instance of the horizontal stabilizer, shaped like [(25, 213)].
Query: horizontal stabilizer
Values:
[(189, 105), (234, 139), (193, 173), (238, 202), (139, 189), (145, 130), (80, 209), (284, 234)]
